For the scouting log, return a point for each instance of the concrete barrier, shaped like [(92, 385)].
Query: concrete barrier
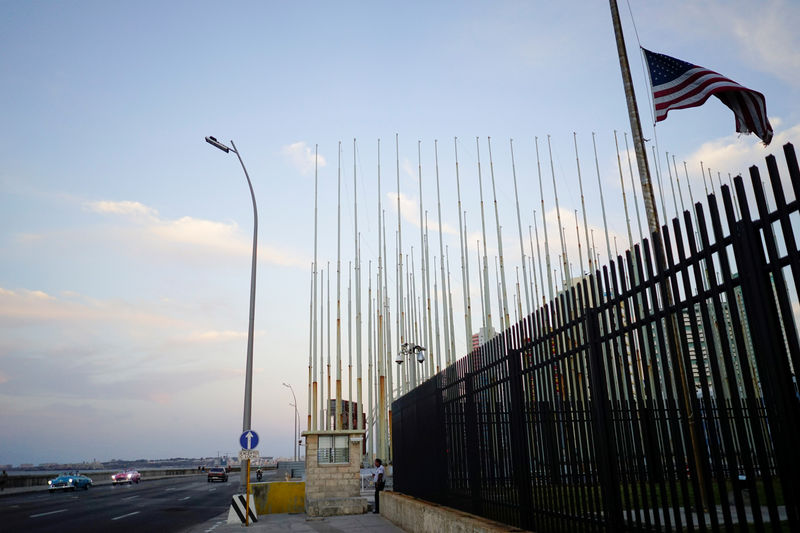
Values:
[(419, 516), (279, 497), (98, 478)]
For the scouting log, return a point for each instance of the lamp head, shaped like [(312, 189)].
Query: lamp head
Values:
[(214, 142), (399, 358), (420, 357)]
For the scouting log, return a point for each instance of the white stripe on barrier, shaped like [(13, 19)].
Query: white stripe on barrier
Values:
[(236, 514)]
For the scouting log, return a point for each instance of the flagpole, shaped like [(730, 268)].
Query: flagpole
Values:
[(633, 188), (338, 420), (624, 198), (519, 228), (359, 384), (464, 266), (564, 257), (314, 405), (583, 205), (652, 223), (636, 125), (487, 306), (544, 228), (502, 274), (448, 355)]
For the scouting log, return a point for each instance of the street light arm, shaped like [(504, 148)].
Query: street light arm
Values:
[(251, 325)]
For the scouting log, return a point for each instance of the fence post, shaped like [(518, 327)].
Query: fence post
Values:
[(520, 458), (764, 321), (473, 455), (605, 443)]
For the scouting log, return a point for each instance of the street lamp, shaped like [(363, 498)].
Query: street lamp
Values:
[(295, 418), (248, 382)]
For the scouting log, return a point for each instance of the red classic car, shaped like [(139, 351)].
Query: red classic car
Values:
[(217, 473), (128, 476)]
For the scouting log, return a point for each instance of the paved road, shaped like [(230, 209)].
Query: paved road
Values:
[(163, 505)]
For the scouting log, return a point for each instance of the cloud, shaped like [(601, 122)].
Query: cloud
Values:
[(189, 235), (409, 208), (766, 38), (215, 336), (124, 207), (29, 237), (24, 306), (732, 154), (301, 157)]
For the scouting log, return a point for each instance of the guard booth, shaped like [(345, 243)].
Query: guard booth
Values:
[(333, 472)]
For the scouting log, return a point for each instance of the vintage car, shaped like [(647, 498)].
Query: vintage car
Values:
[(128, 476), (69, 481), (217, 473)]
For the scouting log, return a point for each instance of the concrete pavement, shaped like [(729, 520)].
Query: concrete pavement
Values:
[(301, 523)]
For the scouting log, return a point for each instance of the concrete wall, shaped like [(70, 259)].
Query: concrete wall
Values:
[(279, 497), (40, 480), (419, 516)]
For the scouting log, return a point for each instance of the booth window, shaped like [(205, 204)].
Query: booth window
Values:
[(333, 449)]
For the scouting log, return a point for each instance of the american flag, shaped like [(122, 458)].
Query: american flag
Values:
[(677, 85)]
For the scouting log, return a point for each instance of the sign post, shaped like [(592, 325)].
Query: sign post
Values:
[(248, 440)]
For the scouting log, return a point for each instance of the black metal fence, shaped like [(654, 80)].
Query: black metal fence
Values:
[(657, 394)]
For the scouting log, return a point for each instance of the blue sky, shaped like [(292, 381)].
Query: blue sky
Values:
[(124, 273)]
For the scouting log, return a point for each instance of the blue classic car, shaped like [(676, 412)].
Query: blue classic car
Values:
[(69, 481)]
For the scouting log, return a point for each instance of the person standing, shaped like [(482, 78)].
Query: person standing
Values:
[(380, 483)]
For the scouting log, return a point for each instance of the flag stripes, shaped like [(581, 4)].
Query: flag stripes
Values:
[(677, 84)]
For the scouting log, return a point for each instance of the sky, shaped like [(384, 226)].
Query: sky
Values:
[(125, 239)]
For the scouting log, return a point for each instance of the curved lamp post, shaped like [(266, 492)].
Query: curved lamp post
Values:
[(248, 383), (295, 418)]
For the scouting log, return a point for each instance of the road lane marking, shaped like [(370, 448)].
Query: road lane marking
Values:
[(171, 488), (129, 498), (126, 515), (47, 513), (184, 499)]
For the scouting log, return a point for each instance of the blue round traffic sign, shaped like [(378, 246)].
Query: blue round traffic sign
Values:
[(249, 440)]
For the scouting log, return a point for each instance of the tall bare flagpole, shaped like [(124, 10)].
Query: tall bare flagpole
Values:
[(519, 228), (359, 390), (429, 324), (624, 198), (564, 258), (314, 405), (328, 404), (602, 201), (487, 305), (583, 204), (426, 300), (464, 259), (310, 346), (448, 355), (381, 394), (370, 421), (633, 187), (544, 229), (338, 420), (506, 321)]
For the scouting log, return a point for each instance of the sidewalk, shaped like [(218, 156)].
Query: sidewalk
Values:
[(301, 523)]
